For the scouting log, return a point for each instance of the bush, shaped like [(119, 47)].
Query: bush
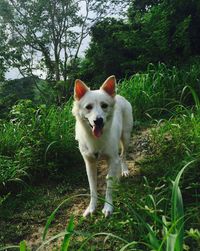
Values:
[(38, 139)]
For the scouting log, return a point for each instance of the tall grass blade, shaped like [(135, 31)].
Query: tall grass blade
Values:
[(171, 240), (55, 237), (169, 234), (154, 241), (69, 229), (51, 217), (177, 213), (22, 246), (133, 243), (9, 247), (47, 149), (101, 234), (194, 95)]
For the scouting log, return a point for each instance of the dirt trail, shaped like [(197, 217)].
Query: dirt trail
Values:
[(138, 148), (26, 215)]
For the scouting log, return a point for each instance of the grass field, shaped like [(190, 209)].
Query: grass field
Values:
[(45, 186)]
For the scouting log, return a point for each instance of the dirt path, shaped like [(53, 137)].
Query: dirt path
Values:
[(138, 148), (35, 211)]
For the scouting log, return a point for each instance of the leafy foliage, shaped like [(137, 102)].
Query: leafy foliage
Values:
[(13, 90), (44, 39), (36, 139), (155, 32), (155, 92), (108, 53)]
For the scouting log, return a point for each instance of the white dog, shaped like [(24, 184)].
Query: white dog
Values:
[(103, 122)]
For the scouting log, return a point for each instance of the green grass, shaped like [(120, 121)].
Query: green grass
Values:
[(155, 92), (40, 139), (36, 140), (152, 221), (158, 210)]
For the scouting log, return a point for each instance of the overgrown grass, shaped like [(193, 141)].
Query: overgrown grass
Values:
[(153, 221), (36, 140), (174, 142), (41, 139), (155, 92)]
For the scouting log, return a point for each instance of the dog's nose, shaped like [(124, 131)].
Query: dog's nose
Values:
[(98, 122)]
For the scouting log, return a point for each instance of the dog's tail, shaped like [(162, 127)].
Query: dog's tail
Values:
[(122, 148)]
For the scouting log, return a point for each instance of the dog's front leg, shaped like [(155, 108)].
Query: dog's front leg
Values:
[(113, 176), (91, 170)]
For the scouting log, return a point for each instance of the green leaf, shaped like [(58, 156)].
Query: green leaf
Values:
[(22, 246), (69, 230), (177, 213), (155, 243), (171, 240)]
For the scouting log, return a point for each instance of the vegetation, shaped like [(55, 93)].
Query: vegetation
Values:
[(53, 33), (34, 139), (154, 52), (161, 90), (154, 31), (46, 134)]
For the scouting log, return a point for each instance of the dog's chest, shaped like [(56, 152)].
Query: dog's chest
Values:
[(95, 151)]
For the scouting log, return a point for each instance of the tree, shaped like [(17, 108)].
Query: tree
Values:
[(13, 90), (167, 29), (48, 35), (154, 31), (3, 49), (108, 53)]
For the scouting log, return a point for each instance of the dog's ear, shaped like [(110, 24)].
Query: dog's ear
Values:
[(109, 85), (79, 89)]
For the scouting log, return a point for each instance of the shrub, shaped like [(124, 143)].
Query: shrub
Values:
[(38, 139)]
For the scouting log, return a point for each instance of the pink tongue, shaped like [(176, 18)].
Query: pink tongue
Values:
[(97, 132)]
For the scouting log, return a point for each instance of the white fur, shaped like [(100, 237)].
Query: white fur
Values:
[(118, 124)]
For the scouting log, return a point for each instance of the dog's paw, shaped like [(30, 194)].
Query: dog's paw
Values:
[(125, 173), (89, 211), (107, 210)]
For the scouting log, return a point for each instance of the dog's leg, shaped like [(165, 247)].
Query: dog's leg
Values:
[(125, 171), (113, 175), (125, 139), (91, 170)]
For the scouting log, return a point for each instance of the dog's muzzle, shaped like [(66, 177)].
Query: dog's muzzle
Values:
[(97, 129)]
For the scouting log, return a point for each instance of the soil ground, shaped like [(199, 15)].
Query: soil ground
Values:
[(23, 216)]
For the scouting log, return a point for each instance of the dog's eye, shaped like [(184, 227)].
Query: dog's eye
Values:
[(104, 105), (89, 107)]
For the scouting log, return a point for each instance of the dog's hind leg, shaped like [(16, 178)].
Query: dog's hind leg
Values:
[(91, 169), (125, 139)]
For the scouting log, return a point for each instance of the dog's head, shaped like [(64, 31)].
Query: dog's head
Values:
[(95, 107)]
